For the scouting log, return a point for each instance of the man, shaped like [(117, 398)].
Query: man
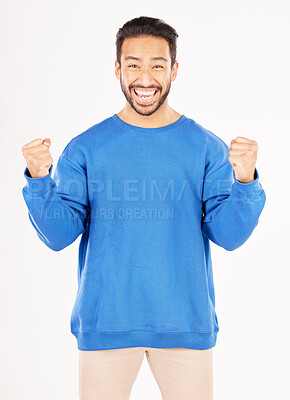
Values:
[(147, 188)]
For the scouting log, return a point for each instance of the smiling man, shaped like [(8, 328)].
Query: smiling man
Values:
[(148, 189)]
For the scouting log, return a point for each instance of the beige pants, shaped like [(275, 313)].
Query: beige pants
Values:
[(181, 374)]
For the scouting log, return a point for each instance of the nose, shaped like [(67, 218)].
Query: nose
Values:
[(146, 78)]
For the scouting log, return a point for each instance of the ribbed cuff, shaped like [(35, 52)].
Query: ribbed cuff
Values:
[(37, 186), (251, 191)]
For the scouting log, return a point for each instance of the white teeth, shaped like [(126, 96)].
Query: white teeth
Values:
[(145, 92)]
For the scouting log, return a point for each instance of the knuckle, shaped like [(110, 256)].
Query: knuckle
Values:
[(254, 146)]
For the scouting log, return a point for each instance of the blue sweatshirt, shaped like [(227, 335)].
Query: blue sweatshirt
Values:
[(147, 202)]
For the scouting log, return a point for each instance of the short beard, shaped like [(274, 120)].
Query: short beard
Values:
[(130, 101)]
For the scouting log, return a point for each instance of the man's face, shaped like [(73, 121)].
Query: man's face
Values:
[(139, 71)]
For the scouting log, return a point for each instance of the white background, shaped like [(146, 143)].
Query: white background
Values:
[(57, 80)]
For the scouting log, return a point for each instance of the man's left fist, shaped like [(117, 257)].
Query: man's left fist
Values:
[(243, 157)]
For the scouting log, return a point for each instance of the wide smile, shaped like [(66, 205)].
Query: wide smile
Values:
[(145, 96)]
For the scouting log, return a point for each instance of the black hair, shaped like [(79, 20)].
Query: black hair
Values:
[(143, 26)]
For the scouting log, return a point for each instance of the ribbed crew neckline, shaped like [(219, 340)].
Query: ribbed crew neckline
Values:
[(147, 131)]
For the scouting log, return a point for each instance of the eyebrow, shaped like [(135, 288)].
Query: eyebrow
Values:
[(140, 59)]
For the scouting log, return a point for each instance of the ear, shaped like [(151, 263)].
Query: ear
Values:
[(174, 71), (117, 69)]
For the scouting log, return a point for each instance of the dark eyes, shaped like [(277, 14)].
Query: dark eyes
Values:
[(134, 65)]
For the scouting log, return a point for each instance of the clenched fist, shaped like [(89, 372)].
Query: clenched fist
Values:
[(38, 157), (243, 157)]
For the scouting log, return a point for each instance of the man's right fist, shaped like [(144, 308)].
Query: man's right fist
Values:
[(38, 157)]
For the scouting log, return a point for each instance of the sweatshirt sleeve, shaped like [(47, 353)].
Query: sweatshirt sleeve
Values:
[(231, 209), (58, 207)]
